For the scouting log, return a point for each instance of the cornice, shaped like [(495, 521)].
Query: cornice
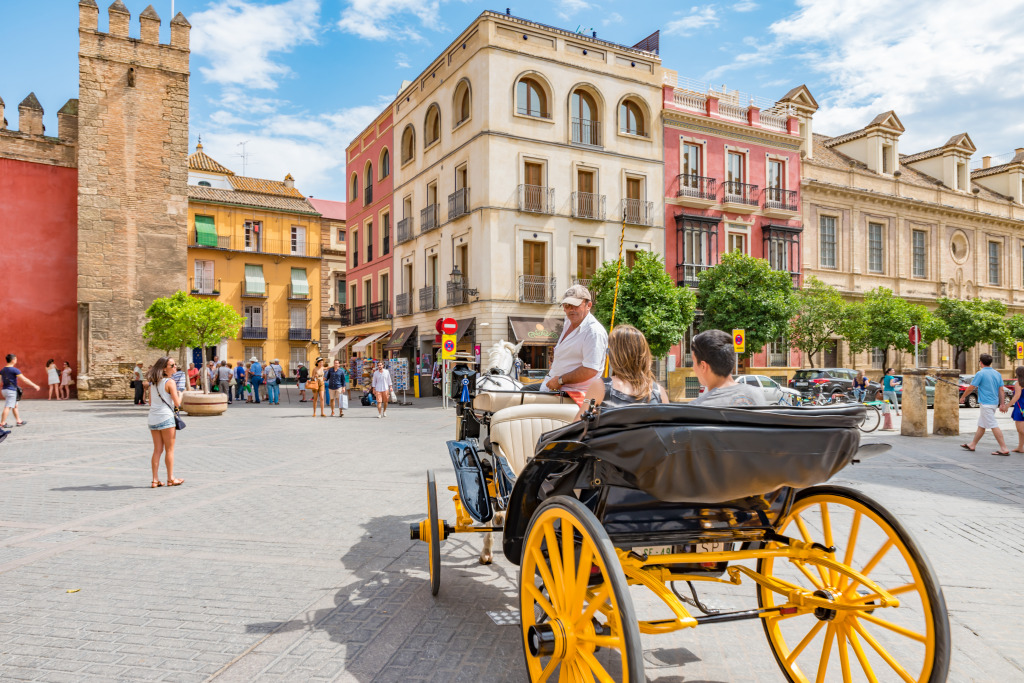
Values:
[(680, 121)]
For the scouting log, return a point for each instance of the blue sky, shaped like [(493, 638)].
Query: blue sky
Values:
[(298, 79)]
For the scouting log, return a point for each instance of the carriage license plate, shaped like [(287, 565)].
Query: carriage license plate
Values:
[(650, 550), (709, 548)]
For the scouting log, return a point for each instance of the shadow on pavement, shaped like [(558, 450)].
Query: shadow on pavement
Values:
[(98, 487)]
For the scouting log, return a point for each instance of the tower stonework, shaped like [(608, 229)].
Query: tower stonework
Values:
[(132, 188)]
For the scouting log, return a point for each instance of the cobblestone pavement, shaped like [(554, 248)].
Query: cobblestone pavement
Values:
[(285, 555)]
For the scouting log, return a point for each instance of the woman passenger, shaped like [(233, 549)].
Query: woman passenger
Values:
[(632, 380)]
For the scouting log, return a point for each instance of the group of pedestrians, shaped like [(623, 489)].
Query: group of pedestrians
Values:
[(58, 381)]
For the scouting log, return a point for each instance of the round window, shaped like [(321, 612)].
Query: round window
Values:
[(959, 247)]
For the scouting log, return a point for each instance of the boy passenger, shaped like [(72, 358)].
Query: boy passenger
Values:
[(713, 362)]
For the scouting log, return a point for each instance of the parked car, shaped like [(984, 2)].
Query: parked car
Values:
[(828, 381), (773, 391), (969, 399), (929, 390)]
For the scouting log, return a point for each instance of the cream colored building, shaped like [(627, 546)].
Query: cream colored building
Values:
[(923, 224), (518, 154)]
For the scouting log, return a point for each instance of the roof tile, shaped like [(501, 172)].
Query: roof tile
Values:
[(257, 200)]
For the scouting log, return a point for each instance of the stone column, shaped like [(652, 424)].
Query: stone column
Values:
[(915, 404), (946, 417)]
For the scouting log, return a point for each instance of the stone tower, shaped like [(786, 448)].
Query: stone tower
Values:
[(132, 187)]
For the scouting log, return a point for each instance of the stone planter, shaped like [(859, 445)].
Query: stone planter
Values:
[(198, 403)]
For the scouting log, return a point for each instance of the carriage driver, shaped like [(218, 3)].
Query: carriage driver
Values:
[(580, 352)]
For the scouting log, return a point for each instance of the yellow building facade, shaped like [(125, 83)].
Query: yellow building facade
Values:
[(255, 245)]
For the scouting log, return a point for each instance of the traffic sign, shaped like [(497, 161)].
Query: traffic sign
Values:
[(915, 335), (739, 340), (1020, 350), (448, 347), (449, 326)]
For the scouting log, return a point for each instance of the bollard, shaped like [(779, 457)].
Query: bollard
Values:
[(946, 416), (915, 404)]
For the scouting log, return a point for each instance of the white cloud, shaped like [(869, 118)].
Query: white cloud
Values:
[(401, 60), (567, 8), (381, 19), (613, 18), (240, 39), (698, 18), (744, 6)]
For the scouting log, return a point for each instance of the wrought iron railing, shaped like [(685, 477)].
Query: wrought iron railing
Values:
[(379, 310), (586, 132), (777, 198), (299, 334), (254, 333), (740, 193), (458, 203), (536, 198), (385, 247), (254, 292), (429, 219), (698, 187), (458, 293), (259, 245), (207, 286), (524, 111), (537, 289), (358, 315), (302, 296), (637, 211), (428, 299), (403, 230), (345, 316), (686, 273), (403, 304), (585, 281), (588, 205)]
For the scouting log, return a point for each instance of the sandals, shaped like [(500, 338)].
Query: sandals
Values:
[(966, 447), (175, 482), (20, 424), (156, 484), (1000, 453)]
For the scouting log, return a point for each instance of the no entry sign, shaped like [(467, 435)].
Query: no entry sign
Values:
[(915, 335), (449, 326)]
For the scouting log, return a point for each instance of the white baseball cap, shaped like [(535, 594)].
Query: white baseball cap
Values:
[(576, 295)]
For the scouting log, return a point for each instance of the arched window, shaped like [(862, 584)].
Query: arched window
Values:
[(631, 118), (408, 144), (368, 180), (531, 100), (205, 183), (586, 128), (432, 126), (355, 188), (385, 164), (462, 102), (369, 174)]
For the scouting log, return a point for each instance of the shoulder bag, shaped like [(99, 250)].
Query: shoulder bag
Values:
[(178, 422)]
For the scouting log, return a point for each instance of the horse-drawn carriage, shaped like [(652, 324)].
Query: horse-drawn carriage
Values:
[(656, 495)]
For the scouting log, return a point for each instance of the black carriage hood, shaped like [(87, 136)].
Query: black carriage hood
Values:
[(682, 453)]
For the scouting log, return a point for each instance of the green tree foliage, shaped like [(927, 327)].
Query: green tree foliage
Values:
[(972, 322), (163, 329), (820, 313), (855, 328), (1014, 334), (889, 319), (648, 300), (744, 292)]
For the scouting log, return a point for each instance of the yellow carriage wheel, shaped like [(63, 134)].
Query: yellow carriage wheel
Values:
[(909, 642), (577, 617), (436, 531)]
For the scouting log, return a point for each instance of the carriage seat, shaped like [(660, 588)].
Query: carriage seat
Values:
[(493, 401), (515, 430)]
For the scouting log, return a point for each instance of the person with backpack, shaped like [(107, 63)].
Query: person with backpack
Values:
[(302, 376), (273, 374)]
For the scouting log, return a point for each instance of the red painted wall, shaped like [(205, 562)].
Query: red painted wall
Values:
[(39, 267)]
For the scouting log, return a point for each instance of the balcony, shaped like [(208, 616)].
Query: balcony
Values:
[(697, 191), (345, 316), (586, 132), (458, 203), (307, 248), (585, 281), (403, 231), (588, 205), (458, 293), (739, 197), (536, 198), (781, 203), (204, 286), (379, 310), (537, 289), (686, 273), (403, 304), (223, 241), (535, 113), (429, 218), (252, 292), (358, 315), (300, 334), (428, 299), (298, 296), (254, 333), (637, 211), (368, 195)]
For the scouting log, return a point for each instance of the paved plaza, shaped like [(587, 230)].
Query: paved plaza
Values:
[(285, 555)]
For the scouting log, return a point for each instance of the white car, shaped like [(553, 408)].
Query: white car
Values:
[(773, 391)]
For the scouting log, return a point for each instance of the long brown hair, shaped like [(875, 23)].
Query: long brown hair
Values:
[(1020, 374), (630, 358), (156, 373)]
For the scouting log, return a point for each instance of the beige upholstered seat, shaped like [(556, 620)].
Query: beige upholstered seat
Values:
[(515, 430), (492, 402)]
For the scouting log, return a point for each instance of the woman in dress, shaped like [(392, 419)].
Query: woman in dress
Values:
[(65, 381), (53, 380), (163, 399), (1017, 403), (632, 380), (317, 375)]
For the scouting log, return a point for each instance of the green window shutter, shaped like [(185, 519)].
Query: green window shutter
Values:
[(300, 286), (254, 283), (206, 231)]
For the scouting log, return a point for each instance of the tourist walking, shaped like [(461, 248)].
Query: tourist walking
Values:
[(1017, 403), (180, 378), (989, 384), (240, 382), (256, 375), (889, 384), (316, 386), (163, 400), (301, 377), (66, 381), (336, 386), (52, 380), (860, 387), (9, 390), (138, 376), (224, 377), (382, 385), (193, 376), (273, 374)]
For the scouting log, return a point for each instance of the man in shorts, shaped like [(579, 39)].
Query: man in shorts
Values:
[(989, 384), (714, 358), (10, 375)]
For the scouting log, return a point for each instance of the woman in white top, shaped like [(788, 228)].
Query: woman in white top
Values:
[(163, 399), (381, 382), (53, 380)]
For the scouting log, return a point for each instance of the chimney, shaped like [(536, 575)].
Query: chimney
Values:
[(149, 26), (119, 18), (289, 182), (986, 162), (3, 121), (30, 116), (88, 15), (67, 121), (179, 31)]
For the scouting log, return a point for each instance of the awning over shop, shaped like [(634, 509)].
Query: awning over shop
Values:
[(366, 341), (535, 331), (341, 344), (254, 283), (465, 325), (206, 231), (300, 286), (401, 337)]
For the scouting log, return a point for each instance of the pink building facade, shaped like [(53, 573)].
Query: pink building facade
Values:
[(732, 180)]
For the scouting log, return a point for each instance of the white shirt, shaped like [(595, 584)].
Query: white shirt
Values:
[(381, 380), (586, 346)]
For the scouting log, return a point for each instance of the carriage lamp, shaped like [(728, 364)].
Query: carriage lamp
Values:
[(330, 310)]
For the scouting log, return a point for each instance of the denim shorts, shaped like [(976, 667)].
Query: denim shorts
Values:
[(166, 424)]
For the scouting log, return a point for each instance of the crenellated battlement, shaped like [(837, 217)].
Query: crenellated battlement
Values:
[(29, 141), (145, 51)]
